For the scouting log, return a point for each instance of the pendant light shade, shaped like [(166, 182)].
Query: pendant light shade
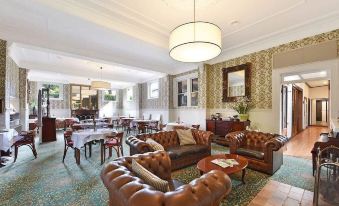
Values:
[(100, 85), (195, 42)]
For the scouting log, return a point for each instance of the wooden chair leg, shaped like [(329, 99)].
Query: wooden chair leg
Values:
[(15, 153), (65, 151), (122, 150), (34, 150), (85, 151), (110, 152)]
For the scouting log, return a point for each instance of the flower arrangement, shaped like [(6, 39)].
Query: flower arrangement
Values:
[(242, 105)]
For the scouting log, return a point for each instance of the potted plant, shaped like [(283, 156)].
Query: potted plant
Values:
[(242, 106)]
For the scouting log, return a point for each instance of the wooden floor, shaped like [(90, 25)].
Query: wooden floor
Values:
[(302, 144)]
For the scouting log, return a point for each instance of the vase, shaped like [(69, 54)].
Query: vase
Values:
[(243, 117)]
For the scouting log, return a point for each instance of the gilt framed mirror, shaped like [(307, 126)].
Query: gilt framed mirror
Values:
[(236, 82)]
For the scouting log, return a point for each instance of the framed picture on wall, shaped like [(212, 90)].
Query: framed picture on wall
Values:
[(55, 90)]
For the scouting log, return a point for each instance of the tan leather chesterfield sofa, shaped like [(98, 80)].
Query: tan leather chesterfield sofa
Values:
[(181, 156), (264, 151), (126, 189)]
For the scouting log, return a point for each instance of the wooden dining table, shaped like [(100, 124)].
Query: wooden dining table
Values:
[(81, 138)]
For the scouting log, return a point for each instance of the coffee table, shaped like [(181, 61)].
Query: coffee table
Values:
[(205, 165)]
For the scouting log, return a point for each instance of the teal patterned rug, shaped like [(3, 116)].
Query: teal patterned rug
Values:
[(48, 181)]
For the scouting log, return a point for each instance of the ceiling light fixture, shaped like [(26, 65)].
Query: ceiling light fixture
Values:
[(195, 41), (100, 85)]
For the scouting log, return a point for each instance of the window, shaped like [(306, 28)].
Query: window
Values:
[(110, 95), (153, 90), (55, 90), (186, 91), (83, 97), (194, 92), (182, 93), (130, 94)]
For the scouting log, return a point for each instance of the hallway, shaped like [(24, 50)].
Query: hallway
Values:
[(302, 144)]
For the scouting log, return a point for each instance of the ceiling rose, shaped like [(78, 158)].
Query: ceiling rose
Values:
[(195, 41)]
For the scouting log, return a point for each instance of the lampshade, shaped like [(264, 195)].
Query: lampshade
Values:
[(195, 42), (100, 85)]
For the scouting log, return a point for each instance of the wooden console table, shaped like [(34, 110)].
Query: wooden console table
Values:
[(222, 127)]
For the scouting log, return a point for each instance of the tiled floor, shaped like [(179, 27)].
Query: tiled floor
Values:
[(276, 194)]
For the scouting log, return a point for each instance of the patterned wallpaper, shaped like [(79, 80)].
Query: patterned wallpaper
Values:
[(160, 103), (13, 85), (54, 104), (262, 65), (2, 68)]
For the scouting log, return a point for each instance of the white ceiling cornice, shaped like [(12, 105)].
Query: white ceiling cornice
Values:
[(326, 23)]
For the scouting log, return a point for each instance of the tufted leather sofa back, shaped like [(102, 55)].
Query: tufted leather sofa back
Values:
[(165, 138), (126, 189), (257, 139), (158, 163)]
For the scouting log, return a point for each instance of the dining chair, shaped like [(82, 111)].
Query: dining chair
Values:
[(115, 142), (153, 126), (69, 143), (24, 138)]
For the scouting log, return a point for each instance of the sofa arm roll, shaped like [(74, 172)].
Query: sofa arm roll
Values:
[(202, 137), (138, 145), (276, 143), (236, 139)]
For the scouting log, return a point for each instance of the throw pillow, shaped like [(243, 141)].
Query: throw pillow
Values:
[(149, 178), (155, 145), (185, 137)]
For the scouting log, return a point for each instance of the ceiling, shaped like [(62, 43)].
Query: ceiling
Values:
[(318, 83), (134, 33), (51, 66)]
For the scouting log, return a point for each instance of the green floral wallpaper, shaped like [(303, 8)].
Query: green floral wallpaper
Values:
[(2, 68), (262, 64), (160, 103)]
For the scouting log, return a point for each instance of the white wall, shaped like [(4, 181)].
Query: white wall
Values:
[(157, 114), (189, 116), (319, 92)]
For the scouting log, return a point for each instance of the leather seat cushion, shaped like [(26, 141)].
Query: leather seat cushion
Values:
[(251, 153), (179, 151)]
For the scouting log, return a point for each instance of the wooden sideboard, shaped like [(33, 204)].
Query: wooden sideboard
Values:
[(82, 114), (48, 129), (222, 127)]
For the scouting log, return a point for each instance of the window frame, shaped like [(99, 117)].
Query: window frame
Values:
[(112, 90), (132, 94), (189, 79)]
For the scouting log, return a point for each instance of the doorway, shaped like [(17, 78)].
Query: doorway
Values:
[(297, 108), (319, 112)]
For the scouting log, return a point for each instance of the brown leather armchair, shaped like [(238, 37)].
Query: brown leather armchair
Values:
[(126, 189), (181, 156), (263, 150)]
